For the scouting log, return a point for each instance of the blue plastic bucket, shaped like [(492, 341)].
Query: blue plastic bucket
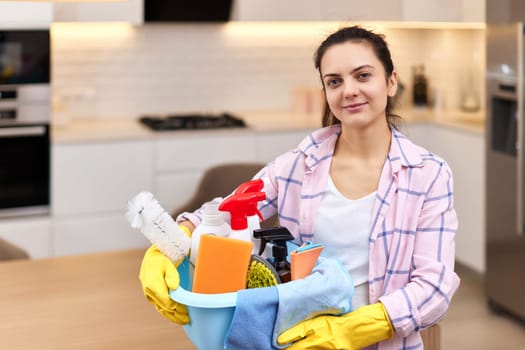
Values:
[(210, 314)]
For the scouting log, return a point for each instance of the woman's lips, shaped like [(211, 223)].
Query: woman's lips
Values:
[(354, 106)]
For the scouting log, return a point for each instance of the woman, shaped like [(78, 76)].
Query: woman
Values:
[(376, 201)]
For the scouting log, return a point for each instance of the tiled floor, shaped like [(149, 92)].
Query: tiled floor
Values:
[(470, 325)]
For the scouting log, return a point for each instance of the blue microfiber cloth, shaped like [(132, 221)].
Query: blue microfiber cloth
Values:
[(261, 314), (252, 324), (328, 290)]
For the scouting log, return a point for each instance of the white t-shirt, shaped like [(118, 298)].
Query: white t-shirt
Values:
[(343, 228)]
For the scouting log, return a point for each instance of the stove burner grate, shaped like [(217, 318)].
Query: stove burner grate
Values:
[(192, 121)]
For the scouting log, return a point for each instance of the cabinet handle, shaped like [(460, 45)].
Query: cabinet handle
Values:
[(22, 131)]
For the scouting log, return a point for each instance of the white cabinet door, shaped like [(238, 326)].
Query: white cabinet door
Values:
[(25, 15), (276, 10), (98, 178), (202, 150), (32, 234), (182, 160), (131, 11), (464, 152), (175, 188), (444, 10), (358, 10), (473, 10), (94, 233), (273, 144)]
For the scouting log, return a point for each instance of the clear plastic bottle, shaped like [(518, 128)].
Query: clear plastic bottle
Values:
[(213, 223)]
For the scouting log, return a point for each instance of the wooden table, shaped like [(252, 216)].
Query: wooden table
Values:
[(81, 302)]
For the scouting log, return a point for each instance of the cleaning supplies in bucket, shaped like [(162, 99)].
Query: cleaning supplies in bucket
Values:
[(213, 317)]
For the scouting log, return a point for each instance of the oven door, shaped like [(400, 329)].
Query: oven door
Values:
[(24, 169)]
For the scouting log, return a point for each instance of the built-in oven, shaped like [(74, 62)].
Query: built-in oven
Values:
[(25, 97)]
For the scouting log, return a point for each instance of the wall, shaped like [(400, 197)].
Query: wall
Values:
[(104, 70)]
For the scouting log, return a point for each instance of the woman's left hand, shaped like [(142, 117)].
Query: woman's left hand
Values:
[(355, 330)]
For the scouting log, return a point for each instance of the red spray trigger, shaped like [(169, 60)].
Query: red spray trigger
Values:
[(237, 205), (252, 186), (255, 185)]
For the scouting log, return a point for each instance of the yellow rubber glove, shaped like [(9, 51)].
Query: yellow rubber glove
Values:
[(355, 330), (158, 275)]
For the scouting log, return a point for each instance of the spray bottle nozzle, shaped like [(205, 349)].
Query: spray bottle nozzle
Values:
[(252, 186), (276, 235), (237, 205)]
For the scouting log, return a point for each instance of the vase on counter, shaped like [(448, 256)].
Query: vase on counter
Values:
[(419, 86)]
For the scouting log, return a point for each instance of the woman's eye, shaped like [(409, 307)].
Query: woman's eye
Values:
[(363, 76), (332, 82)]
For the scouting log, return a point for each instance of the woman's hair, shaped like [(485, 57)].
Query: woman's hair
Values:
[(380, 47)]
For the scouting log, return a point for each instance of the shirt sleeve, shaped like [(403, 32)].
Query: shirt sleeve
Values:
[(425, 298)]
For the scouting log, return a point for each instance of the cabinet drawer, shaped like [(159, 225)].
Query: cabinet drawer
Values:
[(96, 178), (31, 234), (203, 150)]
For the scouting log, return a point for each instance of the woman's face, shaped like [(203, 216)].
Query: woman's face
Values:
[(356, 85)]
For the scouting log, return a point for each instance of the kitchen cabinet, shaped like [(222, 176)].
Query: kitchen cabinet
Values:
[(444, 10), (92, 181), (33, 234), (91, 184), (276, 10), (131, 11), (182, 160), (95, 233), (25, 15), (505, 11), (464, 152), (270, 145), (316, 10), (354, 10)]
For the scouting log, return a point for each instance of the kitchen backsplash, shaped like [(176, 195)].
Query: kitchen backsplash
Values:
[(106, 71)]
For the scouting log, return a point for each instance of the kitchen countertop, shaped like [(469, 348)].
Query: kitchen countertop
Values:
[(113, 129)]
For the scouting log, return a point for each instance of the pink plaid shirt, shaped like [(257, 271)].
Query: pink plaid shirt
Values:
[(412, 247)]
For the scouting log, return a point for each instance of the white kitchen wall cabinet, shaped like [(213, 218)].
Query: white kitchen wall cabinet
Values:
[(354, 10), (91, 185), (276, 10), (464, 152), (32, 234), (131, 11), (357, 10), (182, 160), (25, 15), (316, 10), (444, 10)]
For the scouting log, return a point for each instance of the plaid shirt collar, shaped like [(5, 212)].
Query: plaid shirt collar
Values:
[(320, 145)]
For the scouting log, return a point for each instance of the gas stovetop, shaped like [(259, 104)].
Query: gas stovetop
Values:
[(192, 122)]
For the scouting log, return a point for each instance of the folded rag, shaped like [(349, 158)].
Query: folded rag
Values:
[(252, 323), (328, 290)]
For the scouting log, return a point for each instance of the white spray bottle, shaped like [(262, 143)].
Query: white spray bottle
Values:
[(213, 223), (253, 214), (237, 206)]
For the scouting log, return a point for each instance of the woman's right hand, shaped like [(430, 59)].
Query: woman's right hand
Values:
[(158, 275)]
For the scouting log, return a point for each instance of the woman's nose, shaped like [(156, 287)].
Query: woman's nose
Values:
[(350, 89)]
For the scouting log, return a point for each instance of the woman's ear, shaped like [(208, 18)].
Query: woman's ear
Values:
[(392, 84)]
